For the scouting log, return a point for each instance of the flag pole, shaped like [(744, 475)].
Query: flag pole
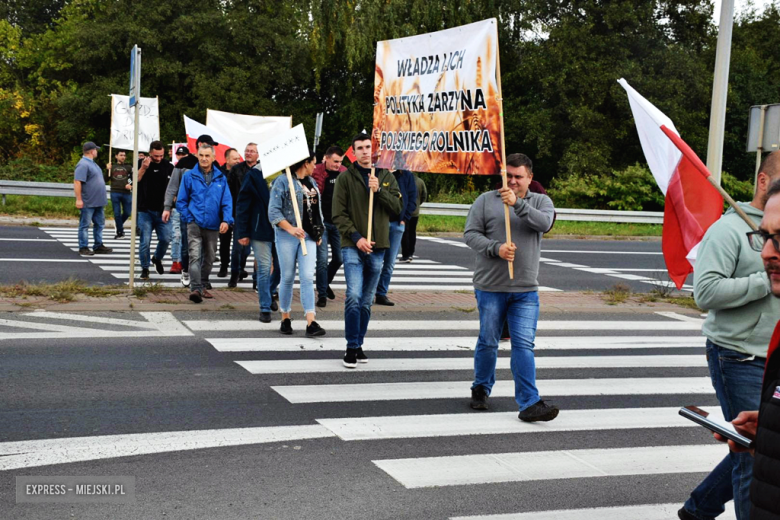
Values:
[(111, 140), (691, 155), (294, 198), (503, 156), (370, 209)]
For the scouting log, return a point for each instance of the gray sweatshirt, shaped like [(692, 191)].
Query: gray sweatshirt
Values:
[(485, 232), (173, 189)]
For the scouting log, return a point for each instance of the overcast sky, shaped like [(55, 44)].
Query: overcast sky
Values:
[(739, 6)]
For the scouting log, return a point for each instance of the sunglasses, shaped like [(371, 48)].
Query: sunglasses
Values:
[(757, 240)]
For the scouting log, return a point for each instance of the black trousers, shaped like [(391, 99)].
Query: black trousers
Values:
[(224, 248), (409, 240)]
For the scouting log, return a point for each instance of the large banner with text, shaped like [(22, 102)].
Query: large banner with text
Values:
[(122, 122), (436, 106)]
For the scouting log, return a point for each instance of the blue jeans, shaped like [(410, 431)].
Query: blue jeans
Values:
[(176, 234), (148, 221), (290, 254), (238, 255), (362, 272), (737, 380), (327, 271), (185, 250), (98, 218), (276, 276), (521, 312), (396, 234), (122, 204), (263, 260)]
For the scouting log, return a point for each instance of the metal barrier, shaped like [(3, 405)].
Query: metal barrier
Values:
[(54, 189)]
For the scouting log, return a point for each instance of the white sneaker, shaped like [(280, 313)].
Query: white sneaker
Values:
[(185, 279)]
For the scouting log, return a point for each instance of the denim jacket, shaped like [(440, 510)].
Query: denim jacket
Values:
[(281, 208)]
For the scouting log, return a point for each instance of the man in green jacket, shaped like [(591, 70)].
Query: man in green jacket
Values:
[(730, 282), (362, 259)]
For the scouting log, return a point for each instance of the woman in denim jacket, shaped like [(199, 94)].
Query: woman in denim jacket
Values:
[(288, 240)]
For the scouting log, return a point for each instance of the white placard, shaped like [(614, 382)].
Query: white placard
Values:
[(242, 129), (284, 150), (122, 122)]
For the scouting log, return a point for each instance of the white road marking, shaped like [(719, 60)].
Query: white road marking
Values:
[(344, 393), (448, 425), (548, 465), (681, 317), (29, 454), (90, 319), (320, 366), (641, 512), (27, 240), (158, 324)]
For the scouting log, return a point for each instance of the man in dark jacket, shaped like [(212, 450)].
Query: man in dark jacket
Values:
[(235, 181), (253, 227), (205, 204), (409, 240), (232, 158), (408, 188), (326, 174), (154, 173), (362, 258)]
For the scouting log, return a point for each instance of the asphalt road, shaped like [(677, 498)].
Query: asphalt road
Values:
[(50, 254), (315, 438)]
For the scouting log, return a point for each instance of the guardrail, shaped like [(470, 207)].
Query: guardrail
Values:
[(54, 189)]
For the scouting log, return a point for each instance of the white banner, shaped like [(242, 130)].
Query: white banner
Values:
[(242, 129), (122, 118), (283, 150)]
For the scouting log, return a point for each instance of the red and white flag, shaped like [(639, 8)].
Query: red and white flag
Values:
[(194, 130), (692, 203)]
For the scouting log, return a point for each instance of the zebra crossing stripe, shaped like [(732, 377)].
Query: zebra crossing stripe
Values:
[(640, 512), (550, 465), (447, 425), (308, 366), (363, 392), (456, 344)]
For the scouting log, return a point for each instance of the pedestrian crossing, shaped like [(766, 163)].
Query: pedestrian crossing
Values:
[(614, 380), (421, 275)]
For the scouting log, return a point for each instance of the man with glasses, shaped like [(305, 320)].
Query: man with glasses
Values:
[(731, 283)]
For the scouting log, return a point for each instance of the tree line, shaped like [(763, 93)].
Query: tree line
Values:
[(59, 61)]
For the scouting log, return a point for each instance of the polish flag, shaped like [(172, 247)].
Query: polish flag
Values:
[(351, 155), (692, 204), (195, 130)]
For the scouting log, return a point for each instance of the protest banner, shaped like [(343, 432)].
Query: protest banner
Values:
[(277, 154), (193, 129), (122, 122), (242, 129)]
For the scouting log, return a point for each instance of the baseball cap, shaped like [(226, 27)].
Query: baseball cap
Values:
[(182, 150), (205, 138), (89, 145)]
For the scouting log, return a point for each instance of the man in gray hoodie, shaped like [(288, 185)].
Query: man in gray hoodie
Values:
[(500, 298), (730, 282)]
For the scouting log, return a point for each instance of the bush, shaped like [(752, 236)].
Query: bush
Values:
[(24, 169), (632, 189)]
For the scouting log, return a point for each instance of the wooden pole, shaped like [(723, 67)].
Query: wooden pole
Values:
[(503, 157), (294, 198), (111, 141), (370, 210)]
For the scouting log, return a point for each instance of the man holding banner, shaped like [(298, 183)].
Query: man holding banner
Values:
[(365, 235)]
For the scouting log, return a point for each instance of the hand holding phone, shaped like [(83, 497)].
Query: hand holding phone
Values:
[(716, 425)]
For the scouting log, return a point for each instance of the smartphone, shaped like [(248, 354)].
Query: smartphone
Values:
[(715, 424)]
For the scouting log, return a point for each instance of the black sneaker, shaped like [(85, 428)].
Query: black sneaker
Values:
[(361, 356), (207, 286), (222, 272), (233, 280), (683, 514), (322, 301), (274, 305), (265, 317), (144, 274), (102, 250), (158, 265), (350, 359), (539, 411), (314, 330), (382, 300), (243, 274), (85, 251), (286, 327), (479, 398), (195, 297), (118, 236), (331, 294)]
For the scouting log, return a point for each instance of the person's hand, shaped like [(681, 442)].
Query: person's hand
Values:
[(508, 196), (166, 216), (146, 163), (79, 203), (507, 252), (403, 223), (243, 241), (319, 242), (223, 228), (129, 187), (108, 166), (746, 424), (297, 232), (364, 246), (373, 183)]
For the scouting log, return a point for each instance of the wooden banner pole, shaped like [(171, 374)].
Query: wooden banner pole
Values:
[(503, 157), (294, 198), (111, 142), (370, 209)]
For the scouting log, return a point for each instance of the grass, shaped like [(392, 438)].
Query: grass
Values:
[(61, 292), (49, 207), (140, 291), (449, 224), (618, 293), (465, 309)]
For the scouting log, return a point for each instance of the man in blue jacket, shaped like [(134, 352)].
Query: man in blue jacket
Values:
[(408, 189), (253, 227), (205, 204)]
